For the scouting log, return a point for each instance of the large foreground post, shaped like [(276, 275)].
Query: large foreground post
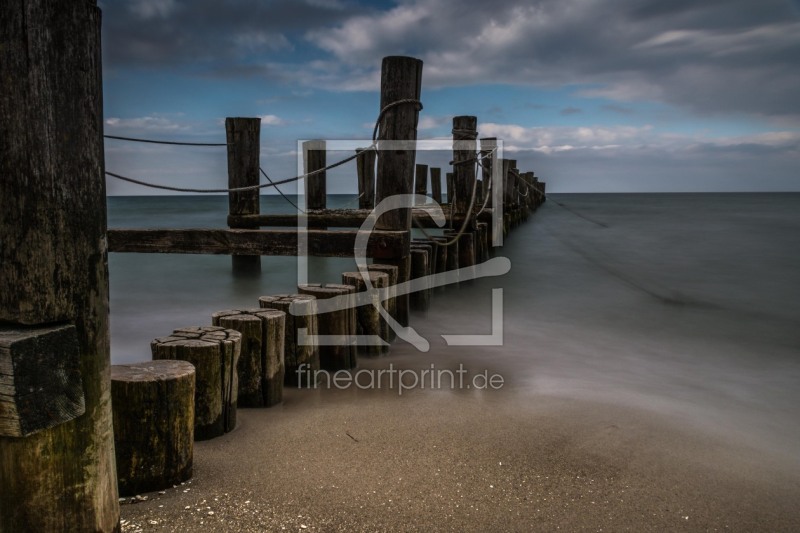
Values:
[(53, 262), (401, 78)]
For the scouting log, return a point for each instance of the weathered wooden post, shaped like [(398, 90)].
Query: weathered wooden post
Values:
[(421, 180), (389, 304), (487, 145), (339, 353), (244, 152), (365, 167), (436, 184), (214, 352), (301, 314), (421, 264), (451, 191), (153, 405), (261, 366), (464, 147), (314, 158), (53, 259), (401, 79), (368, 318)]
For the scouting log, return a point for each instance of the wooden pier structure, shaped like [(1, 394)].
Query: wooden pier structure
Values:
[(57, 465)]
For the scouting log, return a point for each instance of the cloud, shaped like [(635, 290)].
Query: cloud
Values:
[(272, 120), (570, 111), (712, 57), (154, 123)]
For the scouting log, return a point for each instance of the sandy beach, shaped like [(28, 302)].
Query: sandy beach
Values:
[(488, 461), (633, 399)]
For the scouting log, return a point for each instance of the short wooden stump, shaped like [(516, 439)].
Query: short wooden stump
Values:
[(261, 366), (214, 352), (389, 304), (301, 354), (153, 412), (368, 318), (338, 349)]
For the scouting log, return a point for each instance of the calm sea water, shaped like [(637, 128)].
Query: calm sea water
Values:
[(684, 303)]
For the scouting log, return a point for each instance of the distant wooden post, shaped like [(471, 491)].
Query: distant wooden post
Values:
[(421, 180), (53, 257), (464, 147), (487, 145), (436, 184), (314, 158), (401, 78), (244, 152), (365, 166), (451, 192)]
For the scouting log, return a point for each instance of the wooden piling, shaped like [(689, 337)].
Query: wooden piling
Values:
[(466, 249), (436, 184), (53, 257), (365, 167), (420, 268), (451, 256), (339, 352), (451, 191), (368, 319), (487, 145), (314, 158), (301, 314), (214, 352), (153, 405), (464, 148), (482, 246), (401, 79), (244, 149), (421, 180), (261, 366), (389, 304)]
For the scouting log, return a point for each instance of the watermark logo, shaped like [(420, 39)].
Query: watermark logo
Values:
[(496, 266), (401, 380)]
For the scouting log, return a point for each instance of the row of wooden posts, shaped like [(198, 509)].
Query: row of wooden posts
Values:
[(200, 375), (57, 432)]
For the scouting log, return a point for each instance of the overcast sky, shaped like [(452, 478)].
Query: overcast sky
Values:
[(592, 95)]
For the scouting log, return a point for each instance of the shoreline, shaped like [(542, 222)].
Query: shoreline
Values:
[(355, 460)]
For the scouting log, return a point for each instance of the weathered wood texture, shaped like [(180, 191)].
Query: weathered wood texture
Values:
[(420, 267), (482, 247), (401, 78), (261, 366), (390, 304), (421, 180), (40, 378), (368, 319), (214, 352), (365, 168), (464, 148), (153, 406), (324, 243), (452, 253), (451, 191), (52, 257), (487, 144), (314, 158), (438, 259), (466, 250), (339, 351), (244, 149), (436, 184), (341, 218), (301, 323)]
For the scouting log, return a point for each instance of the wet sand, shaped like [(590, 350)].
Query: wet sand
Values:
[(494, 460)]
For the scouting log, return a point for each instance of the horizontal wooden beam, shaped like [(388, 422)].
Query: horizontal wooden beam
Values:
[(323, 243), (335, 218)]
